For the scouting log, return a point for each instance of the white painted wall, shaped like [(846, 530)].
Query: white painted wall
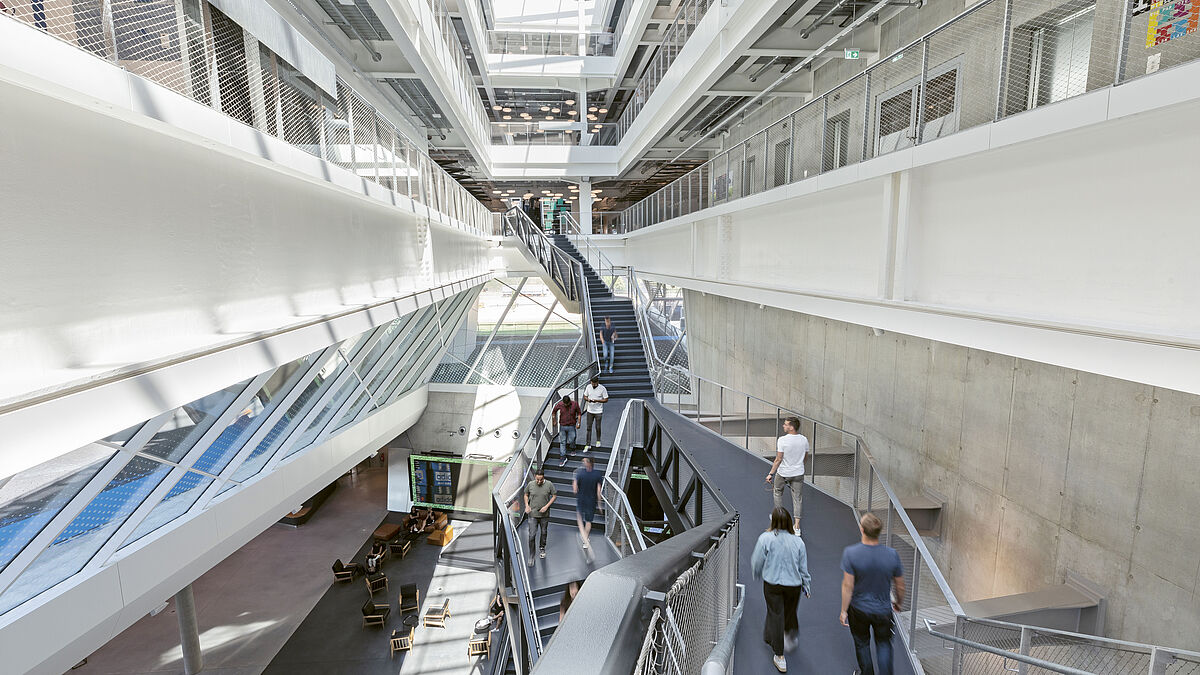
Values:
[(477, 408), (1025, 237), (54, 632), (117, 256)]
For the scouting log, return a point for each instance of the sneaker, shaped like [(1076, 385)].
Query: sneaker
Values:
[(564, 461), (585, 544), (780, 664), (790, 640), (586, 448), (542, 553)]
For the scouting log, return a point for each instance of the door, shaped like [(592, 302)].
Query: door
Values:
[(896, 110)]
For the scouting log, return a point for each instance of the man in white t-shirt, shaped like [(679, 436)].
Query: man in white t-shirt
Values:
[(788, 469), (596, 396)]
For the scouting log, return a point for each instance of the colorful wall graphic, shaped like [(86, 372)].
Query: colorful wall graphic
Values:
[(1170, 20)]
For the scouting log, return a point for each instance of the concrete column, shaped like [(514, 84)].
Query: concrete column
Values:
[(189, 632), (585, 206)]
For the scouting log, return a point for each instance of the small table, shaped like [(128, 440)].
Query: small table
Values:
[(411, 621), (387, 532)]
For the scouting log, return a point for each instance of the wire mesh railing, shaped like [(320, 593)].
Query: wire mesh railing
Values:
[(552, 133), (996, 59), (696, 612), (547, 43), (674, 37), (621, 525), (194, 49), (444, 37)]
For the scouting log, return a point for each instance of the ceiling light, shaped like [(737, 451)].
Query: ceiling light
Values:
[(592, 109), (592, 117), (604, 110), (549, 117), (555, 110), (510, 191), (570, 101), (528, 195), (508, 117), (572, 112), (496, 192), (495, 107), (545, 192), (545, 108), (507, 109)]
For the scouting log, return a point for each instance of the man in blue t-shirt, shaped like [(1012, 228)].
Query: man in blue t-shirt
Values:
[(870, 569), (587, 497)]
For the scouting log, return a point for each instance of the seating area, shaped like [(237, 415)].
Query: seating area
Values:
[(394, 541)]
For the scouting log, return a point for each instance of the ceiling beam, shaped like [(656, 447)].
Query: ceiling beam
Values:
[(753, 92), (800, 13)]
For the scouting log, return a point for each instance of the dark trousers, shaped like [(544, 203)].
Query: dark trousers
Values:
[(588, 420), (538, 524), (781, 614), (861, 625)]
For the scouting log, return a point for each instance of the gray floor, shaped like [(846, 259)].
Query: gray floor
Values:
[(251, 603)]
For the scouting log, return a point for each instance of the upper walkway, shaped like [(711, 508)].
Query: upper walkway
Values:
[(828, 526)]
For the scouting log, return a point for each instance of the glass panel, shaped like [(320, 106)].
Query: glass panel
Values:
[(318, 423), (395, 351), (189, 422), (176, 503), (122, 437), (76, 544), (355, 408), (30, 499), (222, 451)]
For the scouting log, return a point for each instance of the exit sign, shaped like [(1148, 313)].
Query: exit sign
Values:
[(852, 54)]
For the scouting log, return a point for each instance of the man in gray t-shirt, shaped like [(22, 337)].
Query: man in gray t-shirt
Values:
[(539, 495)]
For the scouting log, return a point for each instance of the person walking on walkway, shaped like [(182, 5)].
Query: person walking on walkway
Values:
[(608, 344), (595, 395), (565, 419), (788, 469), (539, 495), (870, 570), (780, 559), (587, 497)]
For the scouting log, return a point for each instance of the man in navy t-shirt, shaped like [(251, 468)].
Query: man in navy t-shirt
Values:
[(870, 569), (587, 485)]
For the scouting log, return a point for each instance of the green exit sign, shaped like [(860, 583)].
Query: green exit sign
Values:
[(852, 54)]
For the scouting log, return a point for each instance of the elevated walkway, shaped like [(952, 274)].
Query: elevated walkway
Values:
[(828, 526)]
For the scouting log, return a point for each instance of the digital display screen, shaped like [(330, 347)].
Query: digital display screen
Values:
[(453, 483)]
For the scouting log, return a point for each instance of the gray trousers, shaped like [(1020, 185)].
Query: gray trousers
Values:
[(796, 483)]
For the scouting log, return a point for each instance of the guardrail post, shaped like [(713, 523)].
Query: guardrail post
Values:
[(1123, 42), (1026, 642), (110, 34), (1005, 46), (912, 598), (747, 424), (1159, 660), (956, 663), (919, 136), (721, 412)]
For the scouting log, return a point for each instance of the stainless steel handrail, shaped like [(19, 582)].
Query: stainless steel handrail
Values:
[(721, 658)]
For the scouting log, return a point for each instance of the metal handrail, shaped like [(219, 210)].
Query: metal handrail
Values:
[(574, 284), (698, 190), (617, 475), (602, 262), (1022, 658), (721, 657), (1098, 640)]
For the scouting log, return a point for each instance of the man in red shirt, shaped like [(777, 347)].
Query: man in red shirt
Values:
[(564, 422)]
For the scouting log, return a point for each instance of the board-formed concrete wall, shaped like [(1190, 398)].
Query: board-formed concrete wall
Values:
[(1044, 469)]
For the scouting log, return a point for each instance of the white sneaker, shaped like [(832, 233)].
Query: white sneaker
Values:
[(780, 664), (586, 448), (585, 544)]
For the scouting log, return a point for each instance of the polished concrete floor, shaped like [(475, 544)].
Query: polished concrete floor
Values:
[(250, 604)]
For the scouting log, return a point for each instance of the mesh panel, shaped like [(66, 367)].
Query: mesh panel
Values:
[(755, 163), (844, 120), (962, 64), (894, 90), (697, 610), (806, 151)]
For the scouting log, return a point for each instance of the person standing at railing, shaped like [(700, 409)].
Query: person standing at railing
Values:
[(595, 395), (870, 571), (564, 420), (608, 344), (587, 497), (780, 559), (539, 495), (788, 469)]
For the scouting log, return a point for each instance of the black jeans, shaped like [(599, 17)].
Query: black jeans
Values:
[(861, 625), (781, 614), (536, 524)]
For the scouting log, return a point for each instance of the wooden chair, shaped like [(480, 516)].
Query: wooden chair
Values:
[(376, 582), (410, 598), (480, 645), (374, 614), (400, 547), (344, 572), (435, 617), (402, 640)]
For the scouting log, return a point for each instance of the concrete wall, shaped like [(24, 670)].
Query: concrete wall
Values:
[(489, 408), (1045, 469)]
